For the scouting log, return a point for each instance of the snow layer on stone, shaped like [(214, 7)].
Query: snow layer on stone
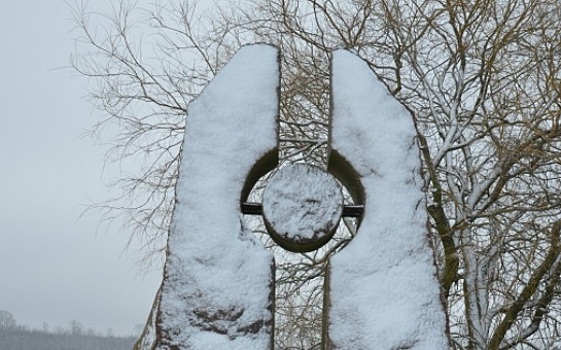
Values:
[(302, 202), (384, 293), (216, 291)]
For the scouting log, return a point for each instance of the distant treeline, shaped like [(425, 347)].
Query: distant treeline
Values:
[(19, 338)]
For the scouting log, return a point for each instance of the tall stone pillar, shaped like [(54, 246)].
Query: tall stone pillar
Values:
[(382, 292), (218, 280)]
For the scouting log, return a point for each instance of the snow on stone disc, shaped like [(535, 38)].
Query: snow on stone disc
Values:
[(302, 206)]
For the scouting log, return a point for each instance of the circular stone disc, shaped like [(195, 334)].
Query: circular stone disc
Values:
[(302, 206)]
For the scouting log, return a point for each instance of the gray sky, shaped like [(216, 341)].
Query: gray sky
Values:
[(54, 266)]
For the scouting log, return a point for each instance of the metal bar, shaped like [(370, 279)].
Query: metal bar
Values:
[(352, 211), (252, 208)]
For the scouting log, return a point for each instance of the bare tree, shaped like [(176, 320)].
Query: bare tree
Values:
[(75, 327), (483, 81), (7, 320)]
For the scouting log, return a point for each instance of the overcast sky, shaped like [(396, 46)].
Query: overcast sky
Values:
[(54, 266)]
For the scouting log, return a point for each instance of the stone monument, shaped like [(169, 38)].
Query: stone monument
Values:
[(381, 291)]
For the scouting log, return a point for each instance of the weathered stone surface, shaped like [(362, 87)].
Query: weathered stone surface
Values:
[(302, 206), (218, 278), (382, 291)]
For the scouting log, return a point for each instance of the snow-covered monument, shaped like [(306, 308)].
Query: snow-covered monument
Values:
[(381, 290)]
